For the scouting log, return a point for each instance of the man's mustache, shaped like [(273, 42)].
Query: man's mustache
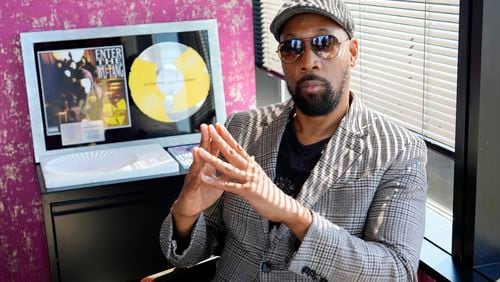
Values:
[(312, 77)]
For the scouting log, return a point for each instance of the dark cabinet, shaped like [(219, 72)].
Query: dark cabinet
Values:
[(108, 232)]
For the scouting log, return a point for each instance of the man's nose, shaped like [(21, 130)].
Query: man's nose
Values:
[(309, 60)]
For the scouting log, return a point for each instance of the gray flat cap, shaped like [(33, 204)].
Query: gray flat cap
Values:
[(336, 10)]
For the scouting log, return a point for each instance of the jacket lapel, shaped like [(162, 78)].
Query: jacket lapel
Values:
[(341, 151), (268, 138), (266, 146)]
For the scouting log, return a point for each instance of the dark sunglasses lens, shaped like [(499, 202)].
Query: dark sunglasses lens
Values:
[(291, 50), (325, 46)]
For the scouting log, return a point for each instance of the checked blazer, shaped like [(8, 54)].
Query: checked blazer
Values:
[(367, 195)]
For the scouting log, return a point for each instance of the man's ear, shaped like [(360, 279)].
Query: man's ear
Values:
[(353, 51)]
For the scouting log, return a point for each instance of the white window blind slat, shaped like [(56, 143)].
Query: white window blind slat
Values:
[(415, 82), (409, 55), (412, 17), (439, 119), (431, 77), (432, 6), (413, 45), (376, 19), (414, 65), (437, 30), (411, 100), (418, 37), (404, 86), (378, 11)]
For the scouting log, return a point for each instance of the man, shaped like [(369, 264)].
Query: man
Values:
[(317, 188)]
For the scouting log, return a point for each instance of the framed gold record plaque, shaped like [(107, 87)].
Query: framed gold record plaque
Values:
[(153, 83)]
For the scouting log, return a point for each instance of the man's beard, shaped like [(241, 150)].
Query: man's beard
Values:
[(320, 103)]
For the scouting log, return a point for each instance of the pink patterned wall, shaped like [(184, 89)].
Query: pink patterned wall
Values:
[(23, 247)]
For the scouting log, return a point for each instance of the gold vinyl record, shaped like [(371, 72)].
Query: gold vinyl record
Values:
[(169, 81)]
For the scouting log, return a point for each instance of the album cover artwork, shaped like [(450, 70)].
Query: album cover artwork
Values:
[(84, 92)]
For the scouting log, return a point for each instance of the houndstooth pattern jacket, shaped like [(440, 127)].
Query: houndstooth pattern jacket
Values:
[(367, 193)]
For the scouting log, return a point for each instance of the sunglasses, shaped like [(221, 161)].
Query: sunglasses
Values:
[(324, 46)]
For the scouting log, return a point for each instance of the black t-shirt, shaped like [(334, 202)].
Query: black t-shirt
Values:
[(295, 161)]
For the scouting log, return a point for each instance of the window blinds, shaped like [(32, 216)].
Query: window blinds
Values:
[(407, 68), (408, 63), (265, 44)]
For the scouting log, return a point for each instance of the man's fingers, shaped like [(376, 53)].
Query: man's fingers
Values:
[(214, 149), (205, 137), (225, 168), (222, 131), (197, 161), (229, 153), (221, 183), (206, 144)]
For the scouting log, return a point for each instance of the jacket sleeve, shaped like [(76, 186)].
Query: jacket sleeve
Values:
[(393, 233), (205, 238)]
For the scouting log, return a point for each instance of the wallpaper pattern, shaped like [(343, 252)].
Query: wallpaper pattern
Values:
[(23, 247)]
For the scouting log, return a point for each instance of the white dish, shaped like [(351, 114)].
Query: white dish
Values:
[(83, 169), (90, 162)]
